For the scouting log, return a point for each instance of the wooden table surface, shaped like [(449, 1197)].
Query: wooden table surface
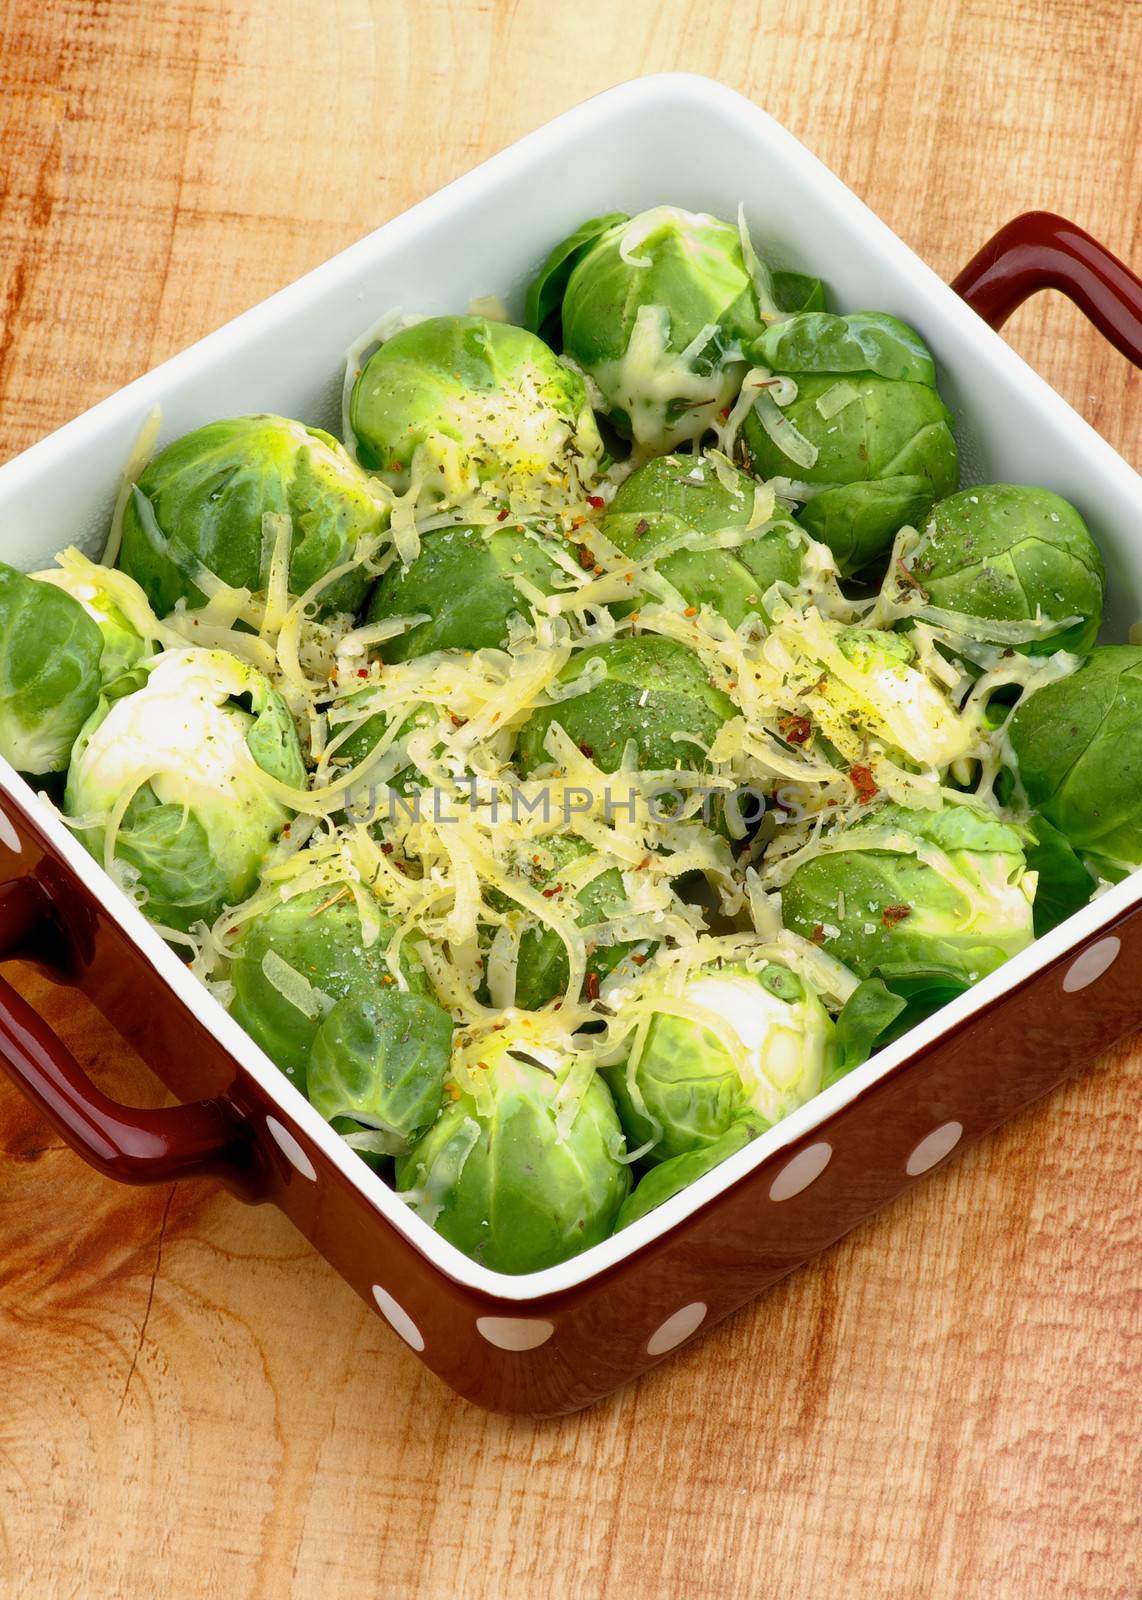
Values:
[(191, 1402)]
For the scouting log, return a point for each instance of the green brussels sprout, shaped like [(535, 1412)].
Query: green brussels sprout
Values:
[(654, 691), (929, 901), (790, 291), (453, 396), (464, 579), (1077, 744), (738, 1039), (202, 503), (316, 937), (660, 311), (543, 314), (672, 497), (867, 430), (49, 672), (1007, 553), (119, 609), (503, 1185), (864, 1022), (380, 1060), (175, 772), (863, 684), (541, 966)]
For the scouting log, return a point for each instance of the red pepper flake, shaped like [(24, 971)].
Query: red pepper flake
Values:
[(395, 466), (548, 894), (643, 864), (586, 558), (456, 721), (795, 730), (910, 580), (586, 749), (641, 526), (591, 985), (724, 413), (891, 915), (691, 611), (386, 849), (864, 783), (818, 934), (597, 501), (577, 522), (362, 672), (502, 516), (639, 960)]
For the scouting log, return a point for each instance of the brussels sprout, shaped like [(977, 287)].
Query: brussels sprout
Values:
[(49, 672), (381, 1060), (1013, 554), (862, 684), (654, 691), (930, 901), (460, 395), (738, 1039), (316, 936), (119, 609), (201, 503), (660, 311), (872, 438), (1077, 743), (541, 967), (175, 771), (672, 497), (503, 1186), (464, 579), (862, 1025), (545, 293)]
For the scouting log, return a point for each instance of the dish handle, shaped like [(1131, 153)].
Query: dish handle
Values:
[(205, 1138), (1039, 250)]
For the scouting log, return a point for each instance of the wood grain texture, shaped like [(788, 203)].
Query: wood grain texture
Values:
[(191, 1403)]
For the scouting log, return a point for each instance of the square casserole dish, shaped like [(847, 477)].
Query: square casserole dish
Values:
[(557, 1340)]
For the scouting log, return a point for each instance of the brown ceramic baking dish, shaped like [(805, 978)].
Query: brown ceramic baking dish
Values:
[(557, 1340)]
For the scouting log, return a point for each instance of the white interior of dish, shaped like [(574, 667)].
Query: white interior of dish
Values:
[(676, 139)]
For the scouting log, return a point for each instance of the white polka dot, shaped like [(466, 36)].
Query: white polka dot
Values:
[(515, 1333), (9, 838), (805, 1168), (290, 1148), (1090, 966), (934, 1147), (676, 1328), (398, 1318)]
